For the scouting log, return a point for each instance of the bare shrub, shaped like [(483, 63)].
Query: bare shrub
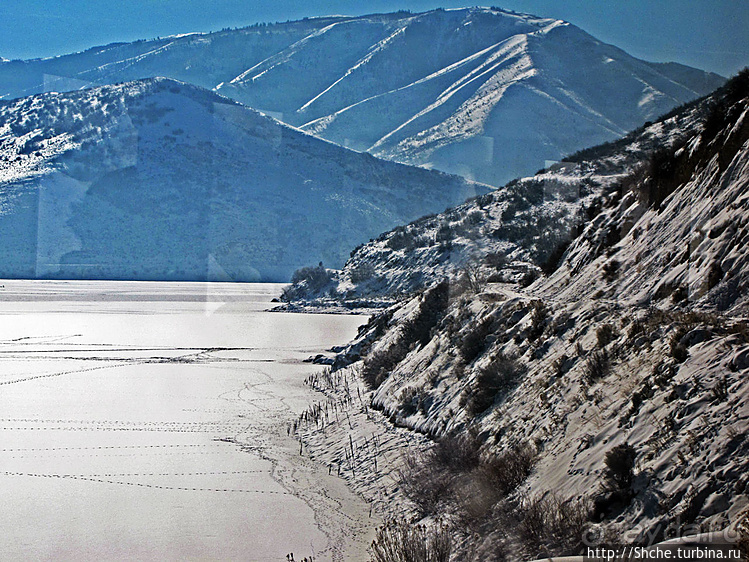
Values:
[(561, 365), (453, 474), (720, 390), (409, 401), (444, 233), (528, 278), (538, 320), (428, 479), (506, 471), (497, 260), (473, 278), (399, 541), (479, 491), (427, 484), (417, 331), (499, 376), (432, 309), (402, 239), (308, 281), (678, 350), (474, 341), (362, 272), (552, 526), (457, 453), (378, 365), (635, 329), (610, 270), (554, 259)]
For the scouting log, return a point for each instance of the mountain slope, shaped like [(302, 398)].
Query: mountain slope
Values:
[(156, 179), (512, 233), (532, 91), (606, 401), (485, 93), (201, 59)]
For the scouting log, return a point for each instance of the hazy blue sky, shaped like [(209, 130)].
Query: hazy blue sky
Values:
[(708, 34)]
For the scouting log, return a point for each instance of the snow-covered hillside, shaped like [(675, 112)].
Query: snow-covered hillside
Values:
[(512, 233), (607, 399), (156, 179), (485, 93)]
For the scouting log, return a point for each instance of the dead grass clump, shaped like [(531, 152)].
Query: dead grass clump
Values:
[(597, 366), (605, 334)]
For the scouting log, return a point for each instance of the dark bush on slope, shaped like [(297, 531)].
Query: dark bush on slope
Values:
[(620, 463), (473, 342), (454, 476), (416, 331), (724, 111), (665, 173), (431, 310), (597, 366), (498, 377)]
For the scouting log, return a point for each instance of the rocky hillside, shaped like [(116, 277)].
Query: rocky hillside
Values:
[(485, 93), (157, 179), (607, 399)]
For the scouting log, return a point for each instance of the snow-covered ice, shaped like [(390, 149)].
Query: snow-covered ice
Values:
[(148, 421)]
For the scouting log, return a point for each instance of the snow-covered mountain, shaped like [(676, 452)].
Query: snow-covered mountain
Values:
[(157, 179), (606, 400), (485, 93)]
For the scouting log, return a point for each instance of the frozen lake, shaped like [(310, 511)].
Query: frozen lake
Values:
[(147, 421)]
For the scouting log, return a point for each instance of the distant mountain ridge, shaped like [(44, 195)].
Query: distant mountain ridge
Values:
[(157, 179), (486, 93)]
